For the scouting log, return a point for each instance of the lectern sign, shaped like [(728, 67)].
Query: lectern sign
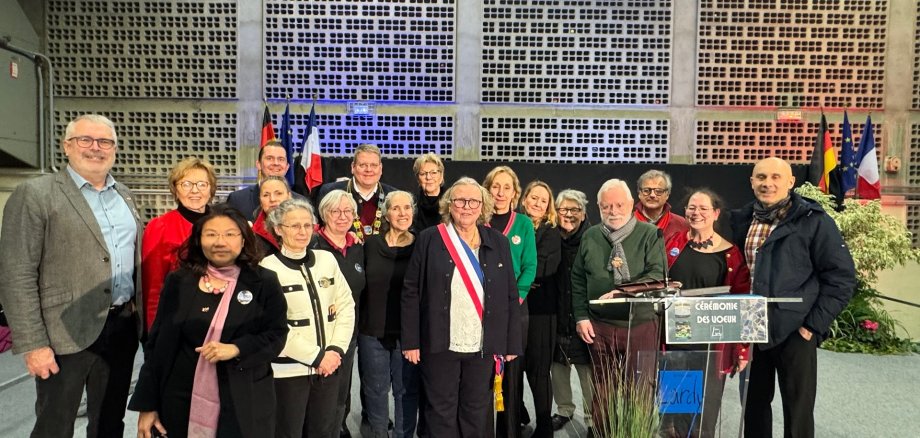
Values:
[(715, 320)]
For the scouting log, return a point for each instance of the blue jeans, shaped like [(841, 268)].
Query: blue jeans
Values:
[(380, 368)]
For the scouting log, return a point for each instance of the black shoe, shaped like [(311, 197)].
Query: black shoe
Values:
[(559, 421), (525, 417), (344, 432), (389, 424)]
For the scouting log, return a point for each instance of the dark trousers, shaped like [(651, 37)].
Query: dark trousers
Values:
[(538, 359), (381, 367), (508, 422), (458, 389), (795, 361), (104, 369), (306, 406), (615, 356), (348, 364)]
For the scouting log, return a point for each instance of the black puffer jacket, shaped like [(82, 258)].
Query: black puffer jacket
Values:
[(805, 256)]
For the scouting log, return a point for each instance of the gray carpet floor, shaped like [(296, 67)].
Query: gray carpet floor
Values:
[(858, 396)]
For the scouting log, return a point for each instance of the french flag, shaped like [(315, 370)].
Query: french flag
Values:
[(309, 171), (867, 183)]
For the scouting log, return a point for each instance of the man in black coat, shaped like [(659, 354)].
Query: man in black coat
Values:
[(794, 250), (272, 161)]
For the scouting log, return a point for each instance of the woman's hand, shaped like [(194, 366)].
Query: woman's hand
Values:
[(215, 351), (146, 421), (331, 362), (413, 356), (510, 357)]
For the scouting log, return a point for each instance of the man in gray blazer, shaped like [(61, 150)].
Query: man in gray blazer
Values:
[(69, 260)]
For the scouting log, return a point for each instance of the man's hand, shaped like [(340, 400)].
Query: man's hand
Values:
[(413, 356), (146, 421), (331, 362), (586, 331), (215, 351), (41, 363), (805, 333), (510, 357), (610, 295)]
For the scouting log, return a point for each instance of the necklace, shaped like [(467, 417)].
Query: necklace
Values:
[(703, 244), (212, 289), (367, 230)]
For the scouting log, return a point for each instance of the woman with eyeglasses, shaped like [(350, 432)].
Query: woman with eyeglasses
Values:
[(193, 184), (321, 319), (273, 190), (460, 312), (207, 363), (702, 258), (570, 351), (380, 360), (429, 169), (338, 210), (537, 203), (505, 188)]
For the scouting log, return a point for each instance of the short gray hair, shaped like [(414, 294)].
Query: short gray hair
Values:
[(652, 174), (275, 218), (95, 118), (614, 184), (333, 199), (389, 199), (573, 195)]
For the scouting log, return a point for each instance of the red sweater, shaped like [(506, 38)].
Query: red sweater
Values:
[(672, 224), (162, 238)]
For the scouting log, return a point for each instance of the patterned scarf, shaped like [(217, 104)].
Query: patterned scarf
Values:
[(205, 409), (616, 263), (771, 214)]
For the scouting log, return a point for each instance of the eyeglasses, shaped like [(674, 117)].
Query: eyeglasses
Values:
[(85, 141), (430, 173), (573, 210), (346, 212), (298, 227), (186, 186), (611, 207), (469, 203), (230, 235), (693, 208), (648, 191)]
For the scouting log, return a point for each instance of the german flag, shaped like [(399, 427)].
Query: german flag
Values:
[(268, 130), (823, 171)]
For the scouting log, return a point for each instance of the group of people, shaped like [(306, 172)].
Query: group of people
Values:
[(253, 313)]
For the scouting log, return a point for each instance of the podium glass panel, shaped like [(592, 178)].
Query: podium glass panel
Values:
[(691, 388)]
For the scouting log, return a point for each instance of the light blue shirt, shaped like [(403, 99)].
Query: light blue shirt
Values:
[(119, 230)]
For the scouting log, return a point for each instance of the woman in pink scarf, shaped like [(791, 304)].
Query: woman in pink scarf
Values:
[(221, 320)]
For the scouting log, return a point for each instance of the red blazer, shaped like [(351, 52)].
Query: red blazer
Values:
[(738, 278), (159, 254)]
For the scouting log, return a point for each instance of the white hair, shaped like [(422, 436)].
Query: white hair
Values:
[(95, 118), (614, 184)]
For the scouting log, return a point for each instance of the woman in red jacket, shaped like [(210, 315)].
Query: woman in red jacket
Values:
[(702, 258), (193, 183)]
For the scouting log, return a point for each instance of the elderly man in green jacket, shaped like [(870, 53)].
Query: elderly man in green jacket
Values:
[(618, 250)]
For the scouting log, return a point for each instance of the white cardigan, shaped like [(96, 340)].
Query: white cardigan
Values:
[(320, 319)]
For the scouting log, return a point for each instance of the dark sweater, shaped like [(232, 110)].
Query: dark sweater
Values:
[(379, 314), (427, 212), (542, 298)]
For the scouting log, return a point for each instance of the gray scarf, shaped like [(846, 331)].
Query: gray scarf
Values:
[(616, 237)]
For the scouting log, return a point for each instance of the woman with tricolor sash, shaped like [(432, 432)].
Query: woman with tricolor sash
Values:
[(460, 312), (505, 188)]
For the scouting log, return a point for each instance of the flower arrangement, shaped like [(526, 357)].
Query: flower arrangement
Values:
[(877, 241)]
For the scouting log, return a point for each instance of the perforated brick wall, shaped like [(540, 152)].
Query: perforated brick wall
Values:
[(150, 143), (143, 49), (576, 52), (799, 53), (574, 140), (735, 141), (360, 50), (397, 136)]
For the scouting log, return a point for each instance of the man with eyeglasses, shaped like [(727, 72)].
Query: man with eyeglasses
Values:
[(654, 188), (69, 259), (366, 188), (272, 161)]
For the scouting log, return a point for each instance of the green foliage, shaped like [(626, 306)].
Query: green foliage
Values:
[(877, 241), (628, 405)]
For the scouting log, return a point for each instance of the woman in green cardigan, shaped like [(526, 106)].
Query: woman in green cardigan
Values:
[(505, 188)]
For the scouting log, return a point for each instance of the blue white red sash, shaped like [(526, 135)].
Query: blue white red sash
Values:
[(466, 263)]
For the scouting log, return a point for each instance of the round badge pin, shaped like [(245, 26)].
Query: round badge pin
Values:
[(516, 240), (674, 252), (358, 267), (244, 297)]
